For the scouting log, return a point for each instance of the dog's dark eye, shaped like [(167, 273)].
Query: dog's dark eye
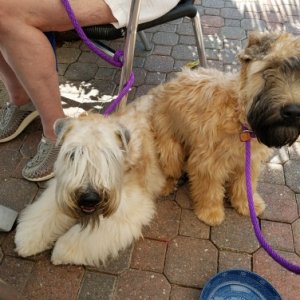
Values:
[(74, 153), (70, 156)]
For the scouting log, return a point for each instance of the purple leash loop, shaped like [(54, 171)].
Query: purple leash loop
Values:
[(116, 60), (279, 259)]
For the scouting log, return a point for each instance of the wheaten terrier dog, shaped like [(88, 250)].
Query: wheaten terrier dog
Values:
[(198, 119), (107, 178)]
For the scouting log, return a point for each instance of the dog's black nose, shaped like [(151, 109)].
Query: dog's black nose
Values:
[(290, 111), (88, 202)]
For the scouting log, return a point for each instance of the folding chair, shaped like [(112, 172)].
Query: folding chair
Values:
[(98, 33)]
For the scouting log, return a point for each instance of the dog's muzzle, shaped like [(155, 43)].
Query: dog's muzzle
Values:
[(89, 202), (275, 128)]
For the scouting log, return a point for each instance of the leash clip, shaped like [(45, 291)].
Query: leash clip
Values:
[(246, 135)]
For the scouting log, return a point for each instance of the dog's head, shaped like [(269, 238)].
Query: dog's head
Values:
[(270, 87), (89, 168)]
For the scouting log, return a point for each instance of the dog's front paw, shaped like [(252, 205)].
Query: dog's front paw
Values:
[(63, 254), (212, 216), (169, 187), (27, 244), (259, 205), (69, 250), (58, 258)]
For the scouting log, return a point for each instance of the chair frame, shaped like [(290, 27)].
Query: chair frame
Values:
[(108, 32), (129, 48)]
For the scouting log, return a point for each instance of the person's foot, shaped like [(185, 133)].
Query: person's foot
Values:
[(13, 120), (40, 167)]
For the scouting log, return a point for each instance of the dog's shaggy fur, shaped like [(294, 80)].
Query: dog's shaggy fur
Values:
[(106, 181), (197, 120)]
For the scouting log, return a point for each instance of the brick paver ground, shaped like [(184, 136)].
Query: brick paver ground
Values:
[(178, 254)]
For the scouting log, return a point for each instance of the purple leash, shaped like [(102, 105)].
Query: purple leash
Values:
[(116, 60), (279, 259)]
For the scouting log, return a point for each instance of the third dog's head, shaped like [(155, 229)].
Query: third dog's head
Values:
[(89, 168), (270, 87)]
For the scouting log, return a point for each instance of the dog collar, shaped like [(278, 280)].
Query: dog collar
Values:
[(246, 134)]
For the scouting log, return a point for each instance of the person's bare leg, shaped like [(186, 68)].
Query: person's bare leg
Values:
[(16, 92), (29, 54)]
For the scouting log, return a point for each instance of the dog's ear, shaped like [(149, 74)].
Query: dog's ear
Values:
[(259, 44), (60, 126), (124, 135)]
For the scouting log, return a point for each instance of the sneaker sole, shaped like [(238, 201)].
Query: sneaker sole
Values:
[(21, 127), (49, 176)]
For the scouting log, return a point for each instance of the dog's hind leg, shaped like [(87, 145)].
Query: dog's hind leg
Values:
[(238, 194), (40, 224), (171, 159)]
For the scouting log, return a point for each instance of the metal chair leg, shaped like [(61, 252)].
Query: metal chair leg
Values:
[(129, 48), (146, 43), (199, 40)]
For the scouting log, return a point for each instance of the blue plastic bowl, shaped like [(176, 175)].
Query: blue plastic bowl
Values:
[(238, 284)]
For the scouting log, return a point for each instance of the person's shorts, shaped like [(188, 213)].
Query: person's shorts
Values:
[(150, 10)]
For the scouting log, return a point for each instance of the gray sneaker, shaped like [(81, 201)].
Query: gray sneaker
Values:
[(40, 167), (13, 120)]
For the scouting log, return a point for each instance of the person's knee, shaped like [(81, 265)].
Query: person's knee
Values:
[(6, 17)]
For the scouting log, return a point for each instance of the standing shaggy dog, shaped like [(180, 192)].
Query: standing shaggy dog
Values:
[(106, 180), (198, 119)]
